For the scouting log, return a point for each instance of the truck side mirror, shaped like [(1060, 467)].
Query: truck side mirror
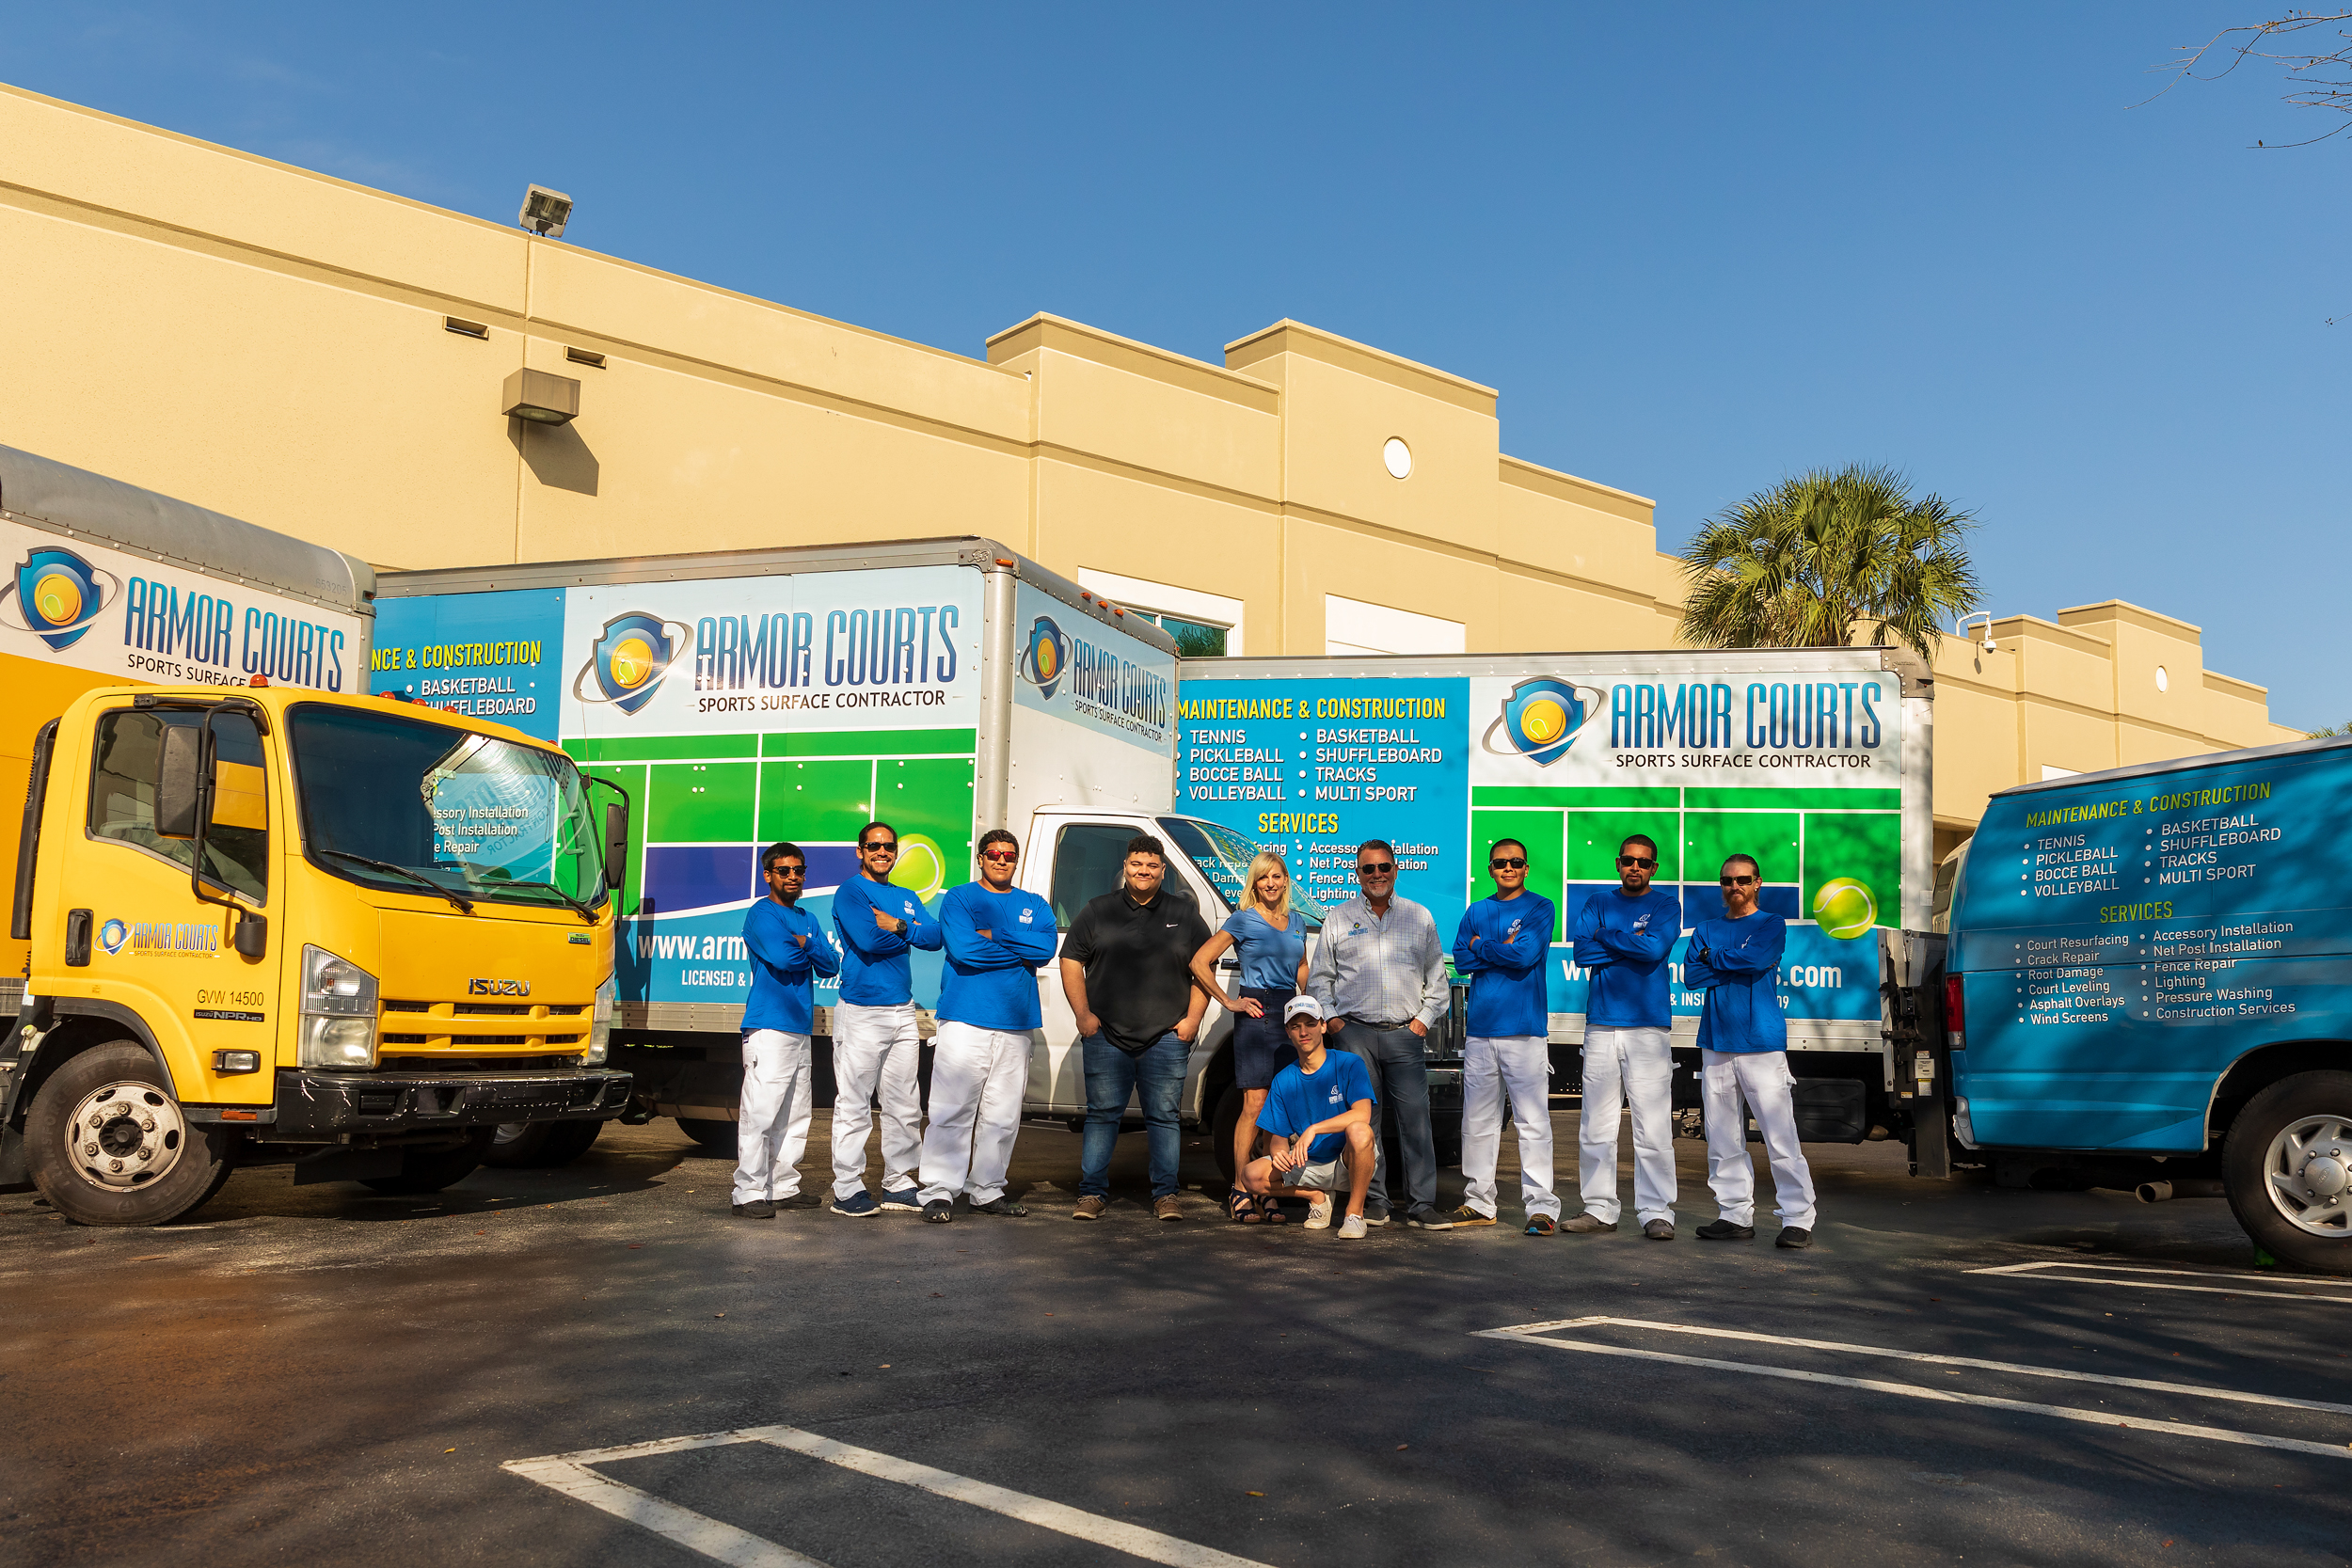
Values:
[(252, 937), (615, 844), (177, 781)]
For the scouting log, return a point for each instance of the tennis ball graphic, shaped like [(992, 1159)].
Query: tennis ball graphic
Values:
[(921, 869), (1543, 721), (1845, 908)]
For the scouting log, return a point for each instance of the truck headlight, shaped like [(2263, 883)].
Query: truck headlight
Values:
[(339, 1012), (600, 1026)]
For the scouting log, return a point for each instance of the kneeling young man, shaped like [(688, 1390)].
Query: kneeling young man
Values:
[(1320, 1113)]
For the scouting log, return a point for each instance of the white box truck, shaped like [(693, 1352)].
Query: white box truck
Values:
[(944, 685)]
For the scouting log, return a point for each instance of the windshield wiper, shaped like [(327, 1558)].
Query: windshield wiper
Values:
[(583, 911), (402, 872)]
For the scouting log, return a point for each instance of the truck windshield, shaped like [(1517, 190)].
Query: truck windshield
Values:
[(1223, 857), (479, 817)]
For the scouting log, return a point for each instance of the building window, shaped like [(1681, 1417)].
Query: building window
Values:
[(1205, 625), (1357, 627)]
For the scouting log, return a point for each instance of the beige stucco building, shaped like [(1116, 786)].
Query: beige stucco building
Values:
[(327, 360)]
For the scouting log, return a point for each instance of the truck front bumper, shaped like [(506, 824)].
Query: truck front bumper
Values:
[(312, 1105)]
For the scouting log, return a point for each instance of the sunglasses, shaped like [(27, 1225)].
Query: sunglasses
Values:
[(788, 871), (1507, 862), (1376, 868), (1736, 881), (1634, 860), (877, 846), (1004, 857)]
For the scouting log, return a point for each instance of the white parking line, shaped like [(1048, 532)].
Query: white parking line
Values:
[(2281, 1286), (1541, 1333), (570, 1473)]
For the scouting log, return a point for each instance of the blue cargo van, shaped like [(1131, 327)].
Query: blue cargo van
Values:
[(2149, 966)]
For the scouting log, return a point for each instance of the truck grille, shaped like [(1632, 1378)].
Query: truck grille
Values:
[(454, 1025)]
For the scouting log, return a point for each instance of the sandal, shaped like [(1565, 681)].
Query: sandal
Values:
[(1273, 1208), (1241, 1208)]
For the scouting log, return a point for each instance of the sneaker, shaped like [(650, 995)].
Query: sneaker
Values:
[(1659, 1231), (1004, 1207), (1167, 1208), (907, 1198), (757, 1209), (801, 1200), (1538, 1225), (1793, 1237), (1466, 1216), (1723, 1231), (939, 1210), (1586, 1225), (1091, 1207), (858, 1205), (1375, 1217), (1352, 1229), (1319, 1212), (1427, 1218)]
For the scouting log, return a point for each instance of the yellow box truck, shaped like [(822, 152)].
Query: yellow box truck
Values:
[(260, 915)]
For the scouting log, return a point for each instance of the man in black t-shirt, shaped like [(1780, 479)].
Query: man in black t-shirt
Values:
[(1127, 969)]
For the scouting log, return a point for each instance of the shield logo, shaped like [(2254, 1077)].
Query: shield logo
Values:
[(630, 659), (58, 595), (1541, 717), (1045, 656)]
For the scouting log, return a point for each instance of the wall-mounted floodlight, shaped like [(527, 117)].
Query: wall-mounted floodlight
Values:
[(541, 397), (1988, 644), (544, 212)]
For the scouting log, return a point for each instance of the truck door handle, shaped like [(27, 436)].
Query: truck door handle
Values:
[(78, 928)]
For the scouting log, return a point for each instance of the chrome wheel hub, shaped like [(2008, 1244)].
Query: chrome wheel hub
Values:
[(125, 1135), (2309, 1174)]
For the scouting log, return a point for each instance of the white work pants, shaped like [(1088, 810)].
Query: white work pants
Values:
[(772, 1118), (978, 1077), (876, 1049), (1761, 1078), (1622, 1065), (1520, 1063)]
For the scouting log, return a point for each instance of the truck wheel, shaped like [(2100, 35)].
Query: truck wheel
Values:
[(2287, 1168), (715, 1135), (567, 1141), (430, 1169), (518, 1145), (110, 1147)]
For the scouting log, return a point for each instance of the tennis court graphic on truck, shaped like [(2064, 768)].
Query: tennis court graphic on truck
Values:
[(1803, 767)]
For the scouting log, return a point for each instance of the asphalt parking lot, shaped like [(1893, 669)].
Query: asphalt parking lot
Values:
[(599, 1365)]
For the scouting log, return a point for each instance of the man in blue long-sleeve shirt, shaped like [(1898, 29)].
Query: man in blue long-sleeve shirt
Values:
[(996, 935), (877, 1037), (787, 950), (1743, 1055), (1622, 936), (1502, 945)]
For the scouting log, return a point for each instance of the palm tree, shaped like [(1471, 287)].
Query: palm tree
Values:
[(1824, 557), (2326, 729)]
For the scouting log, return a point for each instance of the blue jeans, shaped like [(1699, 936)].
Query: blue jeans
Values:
[(1112, 1075), (1399, 1063)]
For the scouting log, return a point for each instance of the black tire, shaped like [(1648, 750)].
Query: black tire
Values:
[(518, 1145), (2257, 1137), (121, 1083), (567, 1141), (715, 1135), (431, 1168)]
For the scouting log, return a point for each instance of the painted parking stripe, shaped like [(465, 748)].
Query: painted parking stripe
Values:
[(2021, 1369), (570, 1473), (2294, 1287), (1538, 1334)]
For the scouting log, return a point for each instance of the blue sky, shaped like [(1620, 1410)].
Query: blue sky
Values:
[(1695, 246)]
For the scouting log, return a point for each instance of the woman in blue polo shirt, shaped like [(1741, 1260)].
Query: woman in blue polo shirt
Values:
[(1271, 938)]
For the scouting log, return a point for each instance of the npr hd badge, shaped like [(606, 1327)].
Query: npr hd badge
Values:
[(632, 659)]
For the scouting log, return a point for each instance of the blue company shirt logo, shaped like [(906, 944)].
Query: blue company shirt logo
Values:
[(1045, 656), (1542, 718), (112, 935), (58, 595), (632, 659)]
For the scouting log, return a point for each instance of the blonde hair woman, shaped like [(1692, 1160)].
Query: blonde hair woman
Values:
[(1272, 939)]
